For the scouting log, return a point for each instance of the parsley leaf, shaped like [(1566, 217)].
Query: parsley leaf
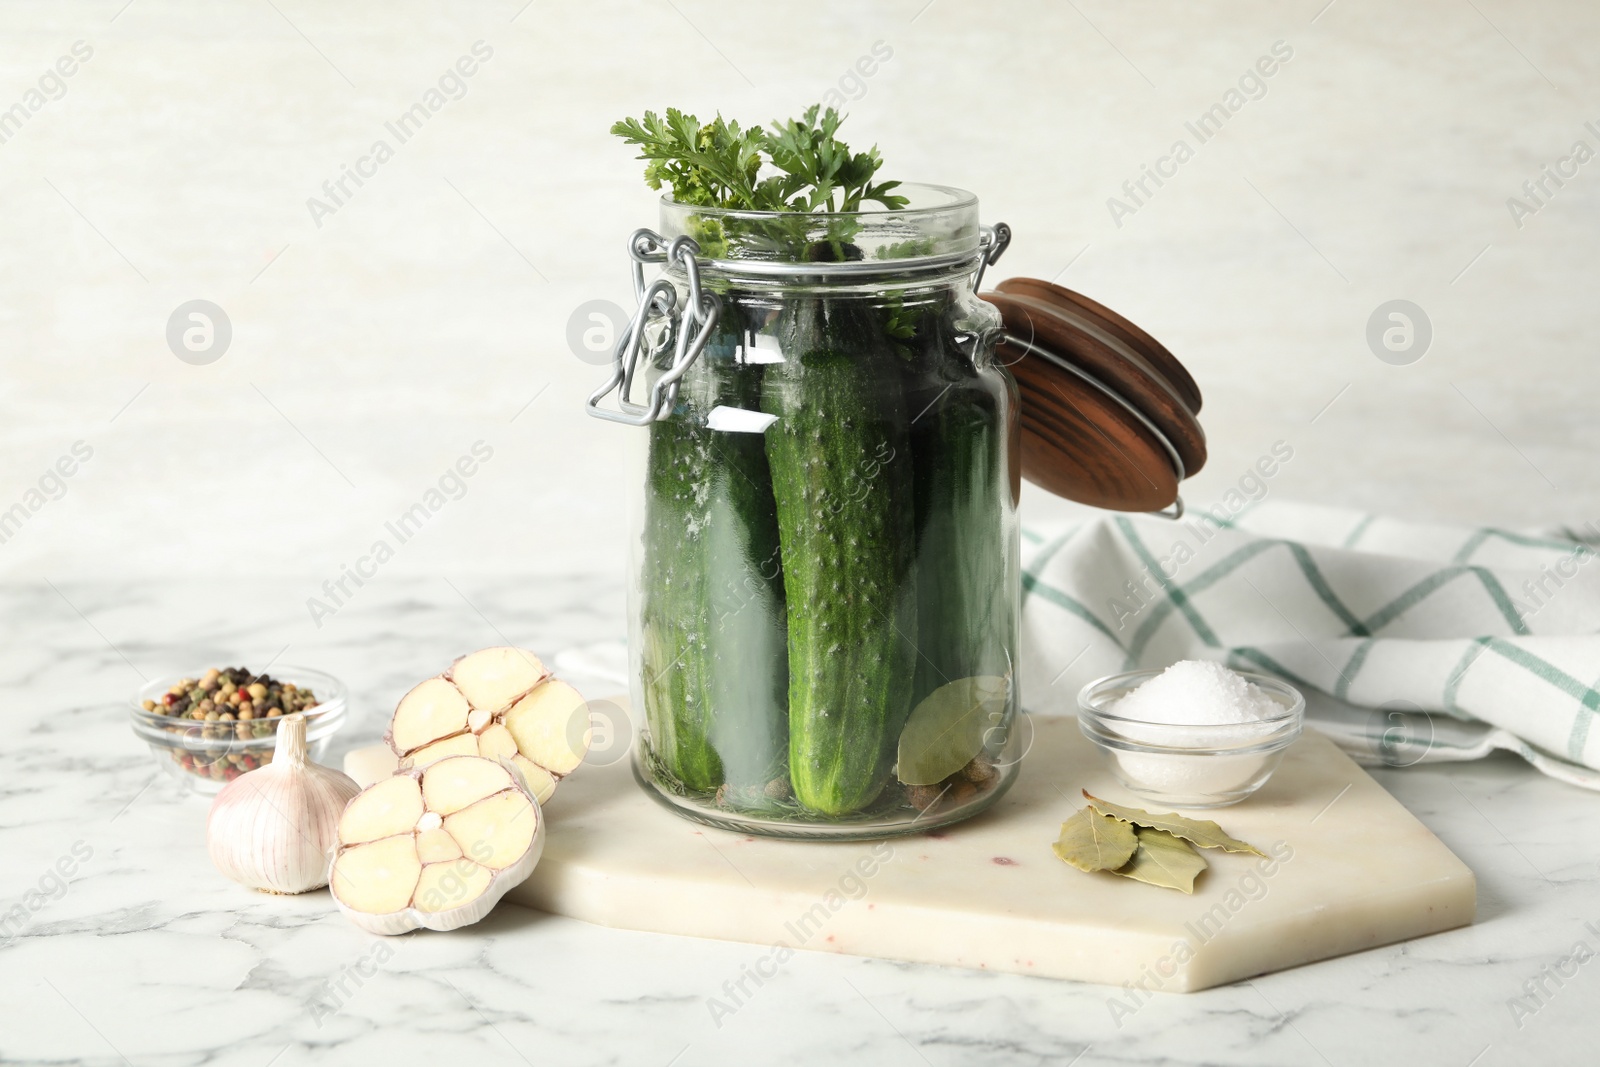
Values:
[(720, 163)]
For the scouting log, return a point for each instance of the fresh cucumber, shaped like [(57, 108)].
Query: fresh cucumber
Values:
[(842, 483), (966, 623), (714, 650)]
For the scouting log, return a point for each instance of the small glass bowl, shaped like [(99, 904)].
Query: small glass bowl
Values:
[(205, 756), (1208, 766)]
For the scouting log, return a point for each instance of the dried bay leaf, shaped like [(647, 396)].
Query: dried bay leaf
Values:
[(1201, 832), (947, 729), (1163, 859), (1094, 842)]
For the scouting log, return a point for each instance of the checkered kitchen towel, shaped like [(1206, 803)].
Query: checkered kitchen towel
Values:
[(1411, 642)]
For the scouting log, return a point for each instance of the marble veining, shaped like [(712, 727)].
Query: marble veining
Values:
[(425, 315), (147, 956)]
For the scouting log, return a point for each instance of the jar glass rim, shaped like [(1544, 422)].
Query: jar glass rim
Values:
[(940, 198), (938, 230)]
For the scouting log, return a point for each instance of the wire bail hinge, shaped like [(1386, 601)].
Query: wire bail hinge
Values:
[(654, 325)]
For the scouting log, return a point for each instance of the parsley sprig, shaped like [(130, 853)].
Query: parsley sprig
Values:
[(720, 164)]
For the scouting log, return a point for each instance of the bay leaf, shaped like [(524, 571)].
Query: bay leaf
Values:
[(1094, 842), (1164, 860), (1200, 832), (947, 729)]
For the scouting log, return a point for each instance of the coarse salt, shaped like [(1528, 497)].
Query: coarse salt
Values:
[(1204, 707), (1196, 692)]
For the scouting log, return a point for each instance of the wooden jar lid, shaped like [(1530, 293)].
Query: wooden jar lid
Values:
[(1108, 414), (1152, 350)]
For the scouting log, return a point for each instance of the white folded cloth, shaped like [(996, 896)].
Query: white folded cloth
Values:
[(1411, 641)]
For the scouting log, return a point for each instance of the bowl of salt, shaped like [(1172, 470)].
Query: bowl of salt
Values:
[(1195, 735)]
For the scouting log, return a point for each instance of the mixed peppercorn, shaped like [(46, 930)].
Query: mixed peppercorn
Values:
[(229, 704)]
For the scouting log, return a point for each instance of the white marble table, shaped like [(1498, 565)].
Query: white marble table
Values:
[(147, 956), (372, 350)]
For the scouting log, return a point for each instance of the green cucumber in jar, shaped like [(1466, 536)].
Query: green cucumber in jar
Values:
[(966, 625), (714, 650), (842, 483)]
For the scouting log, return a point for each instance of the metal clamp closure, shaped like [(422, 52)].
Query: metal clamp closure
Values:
[(992, 244), (653, 326)]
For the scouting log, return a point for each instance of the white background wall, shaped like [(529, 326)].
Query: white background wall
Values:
[(369, 353)]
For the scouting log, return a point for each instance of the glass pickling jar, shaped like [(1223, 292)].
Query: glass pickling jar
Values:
[(824, 539)]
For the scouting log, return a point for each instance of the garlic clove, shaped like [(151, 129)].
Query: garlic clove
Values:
[(464, 744), (275, 828), (381, 874), (497, 830), (496, 742), (391, 807), (540, 782), (432, 710), (446, 870), (493, 678), (452, 784), (551, 727), (449, 885), (437, 846)]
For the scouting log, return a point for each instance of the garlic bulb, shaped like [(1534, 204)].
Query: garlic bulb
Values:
[(275, 828), (500, 703), (436, 847)]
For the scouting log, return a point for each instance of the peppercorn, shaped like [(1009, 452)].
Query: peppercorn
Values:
[(231, 705), (979, 771), (922, 797)]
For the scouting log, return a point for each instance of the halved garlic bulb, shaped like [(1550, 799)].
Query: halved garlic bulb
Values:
[(500, 703), (435, 847)]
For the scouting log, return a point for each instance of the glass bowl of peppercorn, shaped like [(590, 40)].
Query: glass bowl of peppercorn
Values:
[(208, 727)]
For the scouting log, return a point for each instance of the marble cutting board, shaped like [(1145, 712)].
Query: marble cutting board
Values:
[(1355, 870)]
